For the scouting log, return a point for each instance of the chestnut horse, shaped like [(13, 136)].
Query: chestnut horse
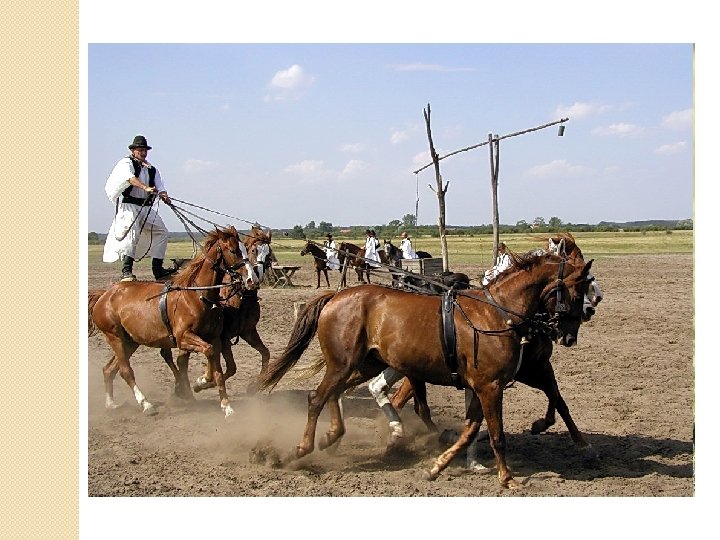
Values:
[(241, 314), (355, 256), (170, 315), (319, 259), (535, 371), (359, 328)]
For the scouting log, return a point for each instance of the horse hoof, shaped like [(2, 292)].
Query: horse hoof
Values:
[(149, 410), (512, 484), (229, 411), (538, 426), (477, 467), (428, 475)]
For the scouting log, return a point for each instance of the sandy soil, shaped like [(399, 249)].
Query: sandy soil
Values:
[(629, 385)]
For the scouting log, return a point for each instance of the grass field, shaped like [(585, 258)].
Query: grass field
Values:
[(478, 250)]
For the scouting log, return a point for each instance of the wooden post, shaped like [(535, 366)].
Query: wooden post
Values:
[(494, 146), (440, 191)]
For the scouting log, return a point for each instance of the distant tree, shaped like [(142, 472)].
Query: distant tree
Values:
[(555, 223), (310, 227), (395, 224), (539, 221), (324, 227), (93, 238), (297, 232), (522, 225), (408, 220)]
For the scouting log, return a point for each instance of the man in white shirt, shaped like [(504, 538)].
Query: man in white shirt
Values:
[(137, 228), (406, 247)]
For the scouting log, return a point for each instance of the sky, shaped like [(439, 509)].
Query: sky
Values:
[(288, 133)]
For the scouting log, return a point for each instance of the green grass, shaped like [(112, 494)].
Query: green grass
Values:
[(478, 250)]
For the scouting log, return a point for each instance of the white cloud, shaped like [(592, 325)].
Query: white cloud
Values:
[(419, 66), (678, 119), (354, 167), (620, 129), (353, 148), (289, 84), (579, 110), (398, 136), (558, 168), (225, 107), (669, 149), (196, 166), (422, 158)]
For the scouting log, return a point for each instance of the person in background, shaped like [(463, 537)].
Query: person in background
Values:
[(333, 263), (372, 244), (407, 247), (137, 228), (502, 263)]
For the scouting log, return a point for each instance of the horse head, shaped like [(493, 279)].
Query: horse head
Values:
[(257, 244), (233, 255), (563, 299)]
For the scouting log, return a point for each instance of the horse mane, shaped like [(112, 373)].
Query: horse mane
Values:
[(256, 236), (186, 275), (520, 262)]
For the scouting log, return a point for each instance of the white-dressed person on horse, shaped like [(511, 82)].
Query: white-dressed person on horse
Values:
[(406, 246), (333, 263), (137, 228)]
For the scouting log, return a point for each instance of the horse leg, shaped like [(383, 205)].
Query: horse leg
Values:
[(318, 279), (183, 360), (193, 342), (379, 388), (421, 405), (109, 372), (331, 385), (253, 339), (491, 398), (337, 425), (327, 280), (541, 376), (123, 349), (472, 426), (167, 356)]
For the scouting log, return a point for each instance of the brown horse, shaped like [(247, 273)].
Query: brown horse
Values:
[(535, 371), (172, 315), (359, 329), (319, 259), (355, 256), (241, 314)]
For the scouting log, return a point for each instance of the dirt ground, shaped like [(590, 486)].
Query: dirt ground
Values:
[(629, 384)]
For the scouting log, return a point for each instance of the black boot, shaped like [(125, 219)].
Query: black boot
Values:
[(159, 272), (127, 268)]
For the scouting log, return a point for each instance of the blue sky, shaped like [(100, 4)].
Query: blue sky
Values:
[(285, 134)]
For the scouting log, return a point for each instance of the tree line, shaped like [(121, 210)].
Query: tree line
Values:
[(407, 223)]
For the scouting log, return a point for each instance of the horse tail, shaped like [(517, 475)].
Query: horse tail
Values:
[(93, 296), (302, 334)]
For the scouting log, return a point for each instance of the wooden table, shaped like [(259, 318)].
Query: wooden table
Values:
[(282, 275)]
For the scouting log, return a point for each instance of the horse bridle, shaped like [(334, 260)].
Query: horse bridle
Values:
[(231, 270)]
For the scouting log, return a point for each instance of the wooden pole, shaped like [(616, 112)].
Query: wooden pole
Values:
[(440, 191), (494, 146)]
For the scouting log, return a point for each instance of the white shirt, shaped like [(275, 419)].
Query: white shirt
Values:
[(136, 231), (407, 249)]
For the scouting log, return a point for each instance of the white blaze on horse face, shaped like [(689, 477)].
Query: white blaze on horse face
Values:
[(252, 278), (263, 252)]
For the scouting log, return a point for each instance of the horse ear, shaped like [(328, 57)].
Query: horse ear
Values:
[(586, 270)]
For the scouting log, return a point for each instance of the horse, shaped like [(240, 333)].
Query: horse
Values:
[(358, 331), (241, 314), (355, 257), (320, 260), (170, 315), (535, 371), (395, 253)]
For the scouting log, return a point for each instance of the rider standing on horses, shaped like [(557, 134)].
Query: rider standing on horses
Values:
[(137, 228)]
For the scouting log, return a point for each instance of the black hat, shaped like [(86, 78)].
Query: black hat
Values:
[(328, 235), (139, 142)]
